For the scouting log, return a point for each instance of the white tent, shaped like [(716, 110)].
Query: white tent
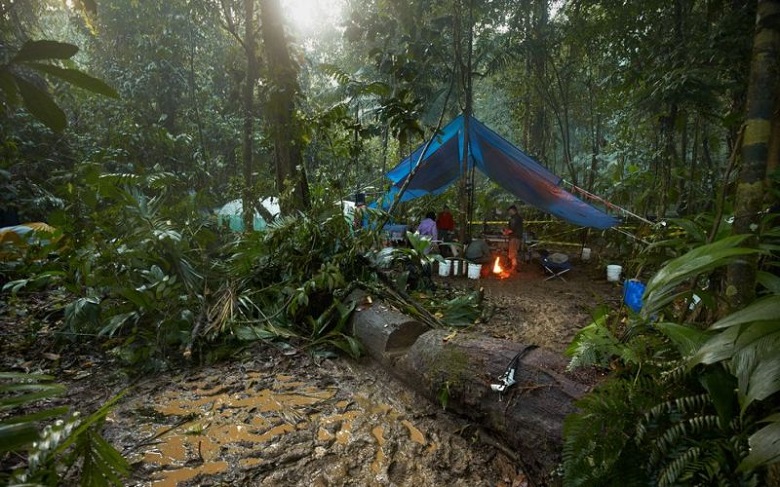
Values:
[(231, 214)]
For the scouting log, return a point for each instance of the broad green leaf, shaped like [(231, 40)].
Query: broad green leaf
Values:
[(660, 288), (757, 367), (39, 50), (764, 380), (764, 447), (691, 228), (17, 436), (112, 465), (721, 386), (40, 104), (754, 332), (142, 300), (716, 349), (37, 416), (116, 322), (653, 304), (697, 261), (77, 78), (766, 309), (29, 393), (770, 281), (687, 338), (348, 345)]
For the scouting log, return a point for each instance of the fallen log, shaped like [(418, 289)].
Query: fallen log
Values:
[(458, 369), (384, 331)]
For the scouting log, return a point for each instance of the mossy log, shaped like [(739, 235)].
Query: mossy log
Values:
[(458, 369)]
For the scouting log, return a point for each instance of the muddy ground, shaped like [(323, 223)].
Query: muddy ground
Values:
[(530, 308), (279, 417)]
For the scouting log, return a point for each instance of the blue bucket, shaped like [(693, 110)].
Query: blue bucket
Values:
[(633, 290)]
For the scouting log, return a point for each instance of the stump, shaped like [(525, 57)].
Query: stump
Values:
[(384, 331)]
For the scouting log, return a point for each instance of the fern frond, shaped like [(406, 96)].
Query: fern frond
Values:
[(673, 470), (102, 465)]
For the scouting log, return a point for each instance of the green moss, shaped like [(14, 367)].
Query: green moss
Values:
[(450, 366)]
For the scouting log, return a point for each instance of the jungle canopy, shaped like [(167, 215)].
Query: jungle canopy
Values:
[(498, 159)]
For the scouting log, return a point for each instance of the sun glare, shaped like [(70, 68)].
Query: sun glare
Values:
[(308, 15)]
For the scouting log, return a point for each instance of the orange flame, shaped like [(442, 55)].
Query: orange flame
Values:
[(499, 271)]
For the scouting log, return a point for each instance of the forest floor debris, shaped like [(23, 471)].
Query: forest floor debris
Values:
[(279, 418)]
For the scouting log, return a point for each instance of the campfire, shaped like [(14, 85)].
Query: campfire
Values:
[(499, 271)]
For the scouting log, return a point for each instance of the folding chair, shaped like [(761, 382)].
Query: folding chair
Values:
[(556, 265)]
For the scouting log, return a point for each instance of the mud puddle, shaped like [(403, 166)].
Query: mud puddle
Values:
[(291, 421)]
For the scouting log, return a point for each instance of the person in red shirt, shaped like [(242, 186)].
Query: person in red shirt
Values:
[(445, 224)]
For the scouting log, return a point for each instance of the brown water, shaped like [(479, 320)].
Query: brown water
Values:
[(321, 427)]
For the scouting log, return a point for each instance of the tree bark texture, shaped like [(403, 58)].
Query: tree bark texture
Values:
[(248, 101), (761, 100), (283, 77), (457, 370), (464, 74)]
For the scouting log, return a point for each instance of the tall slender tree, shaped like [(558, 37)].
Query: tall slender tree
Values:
[(284, 127), (248, 103)]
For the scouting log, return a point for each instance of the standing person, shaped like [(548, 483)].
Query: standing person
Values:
[(428, 227), (514, 231), (445, 224)]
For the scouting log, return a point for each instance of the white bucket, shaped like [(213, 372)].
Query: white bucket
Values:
[(586, 253), (444, 268), (474, 270), (613, 273)]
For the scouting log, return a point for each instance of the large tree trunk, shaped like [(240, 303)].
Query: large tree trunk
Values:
[(457, 370), (761, 100), (291, 179), (248, 101), (758, 147)]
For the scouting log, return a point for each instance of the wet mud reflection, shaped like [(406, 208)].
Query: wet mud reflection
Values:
[(235, 425)]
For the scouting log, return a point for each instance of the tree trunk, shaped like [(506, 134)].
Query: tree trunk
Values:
[(596, 136), (666, 162), (457, 370), (537, 68), (761, 100), (248, 100), (464, 63), (284, 128)]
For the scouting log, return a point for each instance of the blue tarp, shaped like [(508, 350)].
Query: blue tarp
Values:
[(508, 166)]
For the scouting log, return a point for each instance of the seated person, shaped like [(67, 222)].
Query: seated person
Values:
[(427, 228), (478, 251)]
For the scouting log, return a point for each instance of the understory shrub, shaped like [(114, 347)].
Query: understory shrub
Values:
[(692, 400), (150, 275)]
